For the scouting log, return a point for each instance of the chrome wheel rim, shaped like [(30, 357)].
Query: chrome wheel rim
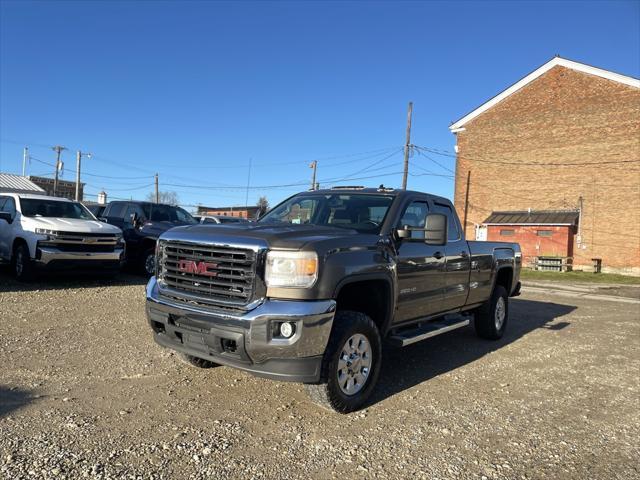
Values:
[(501, 312), (150, 264), (354, 364), (19, 262)]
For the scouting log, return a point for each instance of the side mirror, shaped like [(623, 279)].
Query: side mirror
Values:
[(404, 232), (435, 232), (103, 219), (136, 221), (6, 216)]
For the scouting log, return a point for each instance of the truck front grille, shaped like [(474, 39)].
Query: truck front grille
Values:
[(219, 275), (82, 242)]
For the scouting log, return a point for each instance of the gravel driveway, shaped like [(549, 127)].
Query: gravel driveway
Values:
[(85, 393)]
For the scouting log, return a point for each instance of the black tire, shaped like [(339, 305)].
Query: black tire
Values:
[(487, 317), (329, 393), (148, 260), (196, 362), (21, 263)]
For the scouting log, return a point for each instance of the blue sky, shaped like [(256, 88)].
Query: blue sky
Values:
[(196, 90)]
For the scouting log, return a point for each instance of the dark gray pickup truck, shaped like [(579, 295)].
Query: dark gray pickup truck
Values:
[(309, 292)]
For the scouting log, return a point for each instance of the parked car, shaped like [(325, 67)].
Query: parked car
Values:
[(96, 208), (142, 223), (38, 231), (309, 292), (218, 219)]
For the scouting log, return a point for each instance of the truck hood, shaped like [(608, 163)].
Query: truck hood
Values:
[(285, 236), (69, 225)]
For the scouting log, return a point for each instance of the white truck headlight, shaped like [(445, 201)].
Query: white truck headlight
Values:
[(48, 234), (291, 269)]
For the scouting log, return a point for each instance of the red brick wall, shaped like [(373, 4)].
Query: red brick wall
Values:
[(564, 116), (559, 244), (228, 213)]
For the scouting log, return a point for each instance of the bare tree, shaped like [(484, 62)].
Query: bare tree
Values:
[(170, 198), (263, 205)]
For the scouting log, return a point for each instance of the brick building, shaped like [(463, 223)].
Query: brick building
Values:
[(66, 189), (564, 138), (244, 212)]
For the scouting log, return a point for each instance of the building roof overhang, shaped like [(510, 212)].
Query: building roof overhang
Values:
[(534, 217)]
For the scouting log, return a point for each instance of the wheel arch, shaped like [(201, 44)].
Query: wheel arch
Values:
[(371, 294)]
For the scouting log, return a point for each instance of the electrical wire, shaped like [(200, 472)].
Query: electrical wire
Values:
[(533, 164)]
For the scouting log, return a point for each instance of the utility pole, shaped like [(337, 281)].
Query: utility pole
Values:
[(580, 208), (157, 191), (79, 155), (25, 157), (58, 149), (314, 166), (246, 198), (466, 204), (407, 146)]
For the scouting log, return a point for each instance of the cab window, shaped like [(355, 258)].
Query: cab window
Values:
[(415, 215)]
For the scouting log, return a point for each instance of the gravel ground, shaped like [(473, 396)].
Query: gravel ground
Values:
[(85, 393)]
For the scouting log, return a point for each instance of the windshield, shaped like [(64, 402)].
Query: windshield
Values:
[(362, 212), (36, 207), (167, 213)]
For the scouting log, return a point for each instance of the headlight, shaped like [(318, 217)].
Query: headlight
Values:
[(291, 269), (48, 234)]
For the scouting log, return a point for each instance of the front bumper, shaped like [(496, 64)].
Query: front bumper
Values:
[(51, 256), (244, 340)]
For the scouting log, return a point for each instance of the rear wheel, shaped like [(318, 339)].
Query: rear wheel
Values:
[(351, 364), (149, 262), (491, 318), (22, 265)]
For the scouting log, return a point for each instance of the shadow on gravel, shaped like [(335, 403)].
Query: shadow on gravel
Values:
[(13, 399), (406, 367), (62, 280)]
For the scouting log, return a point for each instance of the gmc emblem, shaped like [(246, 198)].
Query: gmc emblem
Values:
[(198, 268)]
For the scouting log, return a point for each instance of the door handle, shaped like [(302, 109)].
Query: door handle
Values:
[(438, 255)]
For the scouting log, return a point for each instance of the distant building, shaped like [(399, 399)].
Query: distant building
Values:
[(244, 212), (10, 183), (66, 189), (563, 139)]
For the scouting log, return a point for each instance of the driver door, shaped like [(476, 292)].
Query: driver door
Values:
[(421, 268), (7, 204), (129, 231)]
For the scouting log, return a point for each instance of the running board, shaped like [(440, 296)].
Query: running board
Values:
[(428, 330)]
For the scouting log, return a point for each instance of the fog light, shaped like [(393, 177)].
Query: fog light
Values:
[(287, 329)]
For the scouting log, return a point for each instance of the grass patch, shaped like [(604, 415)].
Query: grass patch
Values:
[(578, 277)]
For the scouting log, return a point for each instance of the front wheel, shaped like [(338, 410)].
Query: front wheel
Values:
[(22, 265), (491, 318), (351, 364), (196, 361)]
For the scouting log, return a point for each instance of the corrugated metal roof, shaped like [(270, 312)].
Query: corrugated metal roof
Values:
[(534, 217), (17, 183)]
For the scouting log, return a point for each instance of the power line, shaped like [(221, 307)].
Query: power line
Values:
[(533, 164)]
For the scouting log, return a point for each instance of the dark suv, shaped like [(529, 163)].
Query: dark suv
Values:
[(142, 223)]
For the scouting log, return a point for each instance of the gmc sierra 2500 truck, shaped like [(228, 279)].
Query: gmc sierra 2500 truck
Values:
[(309, 292)]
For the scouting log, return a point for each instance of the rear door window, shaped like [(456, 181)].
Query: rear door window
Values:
[(453, 233)]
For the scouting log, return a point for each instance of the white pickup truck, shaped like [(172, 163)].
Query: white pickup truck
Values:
[(37, 231)]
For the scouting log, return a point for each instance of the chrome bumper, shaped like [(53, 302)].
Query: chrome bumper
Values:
[(47, 255), (202, 333)]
